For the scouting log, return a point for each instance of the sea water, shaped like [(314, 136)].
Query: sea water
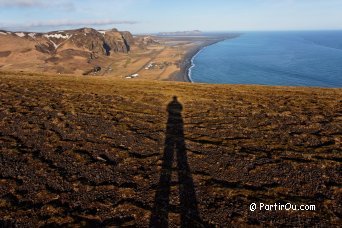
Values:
[(273, 58)]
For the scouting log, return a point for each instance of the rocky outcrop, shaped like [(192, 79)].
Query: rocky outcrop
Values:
[(115, 42), (102, 42), (144, 41), (88, 39), (128, 37)]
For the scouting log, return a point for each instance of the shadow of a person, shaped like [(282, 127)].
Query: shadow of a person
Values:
[(175, 144)]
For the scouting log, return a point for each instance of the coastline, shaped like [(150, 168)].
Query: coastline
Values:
[(183, 75)]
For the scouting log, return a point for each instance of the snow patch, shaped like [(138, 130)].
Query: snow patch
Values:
[(20, 34), (32, 35), (58, 36), (57, 45), (102, 32), (54, 44), (3, 33)]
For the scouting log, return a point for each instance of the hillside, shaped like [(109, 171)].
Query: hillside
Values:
[(85, 39), (100, 151), (70, 52)]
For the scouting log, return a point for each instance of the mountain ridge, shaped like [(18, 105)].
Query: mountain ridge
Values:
[(98, 41)]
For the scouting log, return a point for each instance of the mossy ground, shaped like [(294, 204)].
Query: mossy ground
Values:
[(89, 151)]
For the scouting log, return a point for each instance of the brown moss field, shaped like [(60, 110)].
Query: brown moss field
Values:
[(100, 151)]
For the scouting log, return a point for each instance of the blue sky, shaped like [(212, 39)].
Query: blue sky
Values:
[(146, 16)]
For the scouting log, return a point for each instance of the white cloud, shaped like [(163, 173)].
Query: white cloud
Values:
[(38, 25), (67, 5), (21, 3), (57, 23)]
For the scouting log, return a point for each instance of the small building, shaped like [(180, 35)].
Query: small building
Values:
[(132, 76)]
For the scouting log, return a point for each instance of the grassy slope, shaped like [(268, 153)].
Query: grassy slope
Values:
[(90, 151)]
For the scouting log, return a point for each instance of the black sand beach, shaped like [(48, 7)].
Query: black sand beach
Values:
[(186, 63)]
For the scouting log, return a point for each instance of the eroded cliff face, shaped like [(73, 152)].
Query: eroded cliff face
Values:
[(88, 39), (101, 42), (116, 42), (128, 38)]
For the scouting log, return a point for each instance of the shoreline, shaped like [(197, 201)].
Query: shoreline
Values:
[(183, 75)]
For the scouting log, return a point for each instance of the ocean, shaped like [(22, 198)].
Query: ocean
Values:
[(273, 58)]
